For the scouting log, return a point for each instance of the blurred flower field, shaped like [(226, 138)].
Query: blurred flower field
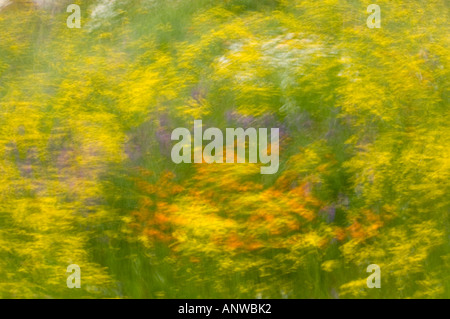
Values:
[(86, 176)]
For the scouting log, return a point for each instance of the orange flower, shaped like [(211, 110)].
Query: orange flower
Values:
[(356, 230), (234, 242)]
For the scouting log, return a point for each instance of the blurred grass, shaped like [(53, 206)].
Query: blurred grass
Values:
[(86, 175)]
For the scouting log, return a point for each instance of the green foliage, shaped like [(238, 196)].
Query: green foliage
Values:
[(86, 175)]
